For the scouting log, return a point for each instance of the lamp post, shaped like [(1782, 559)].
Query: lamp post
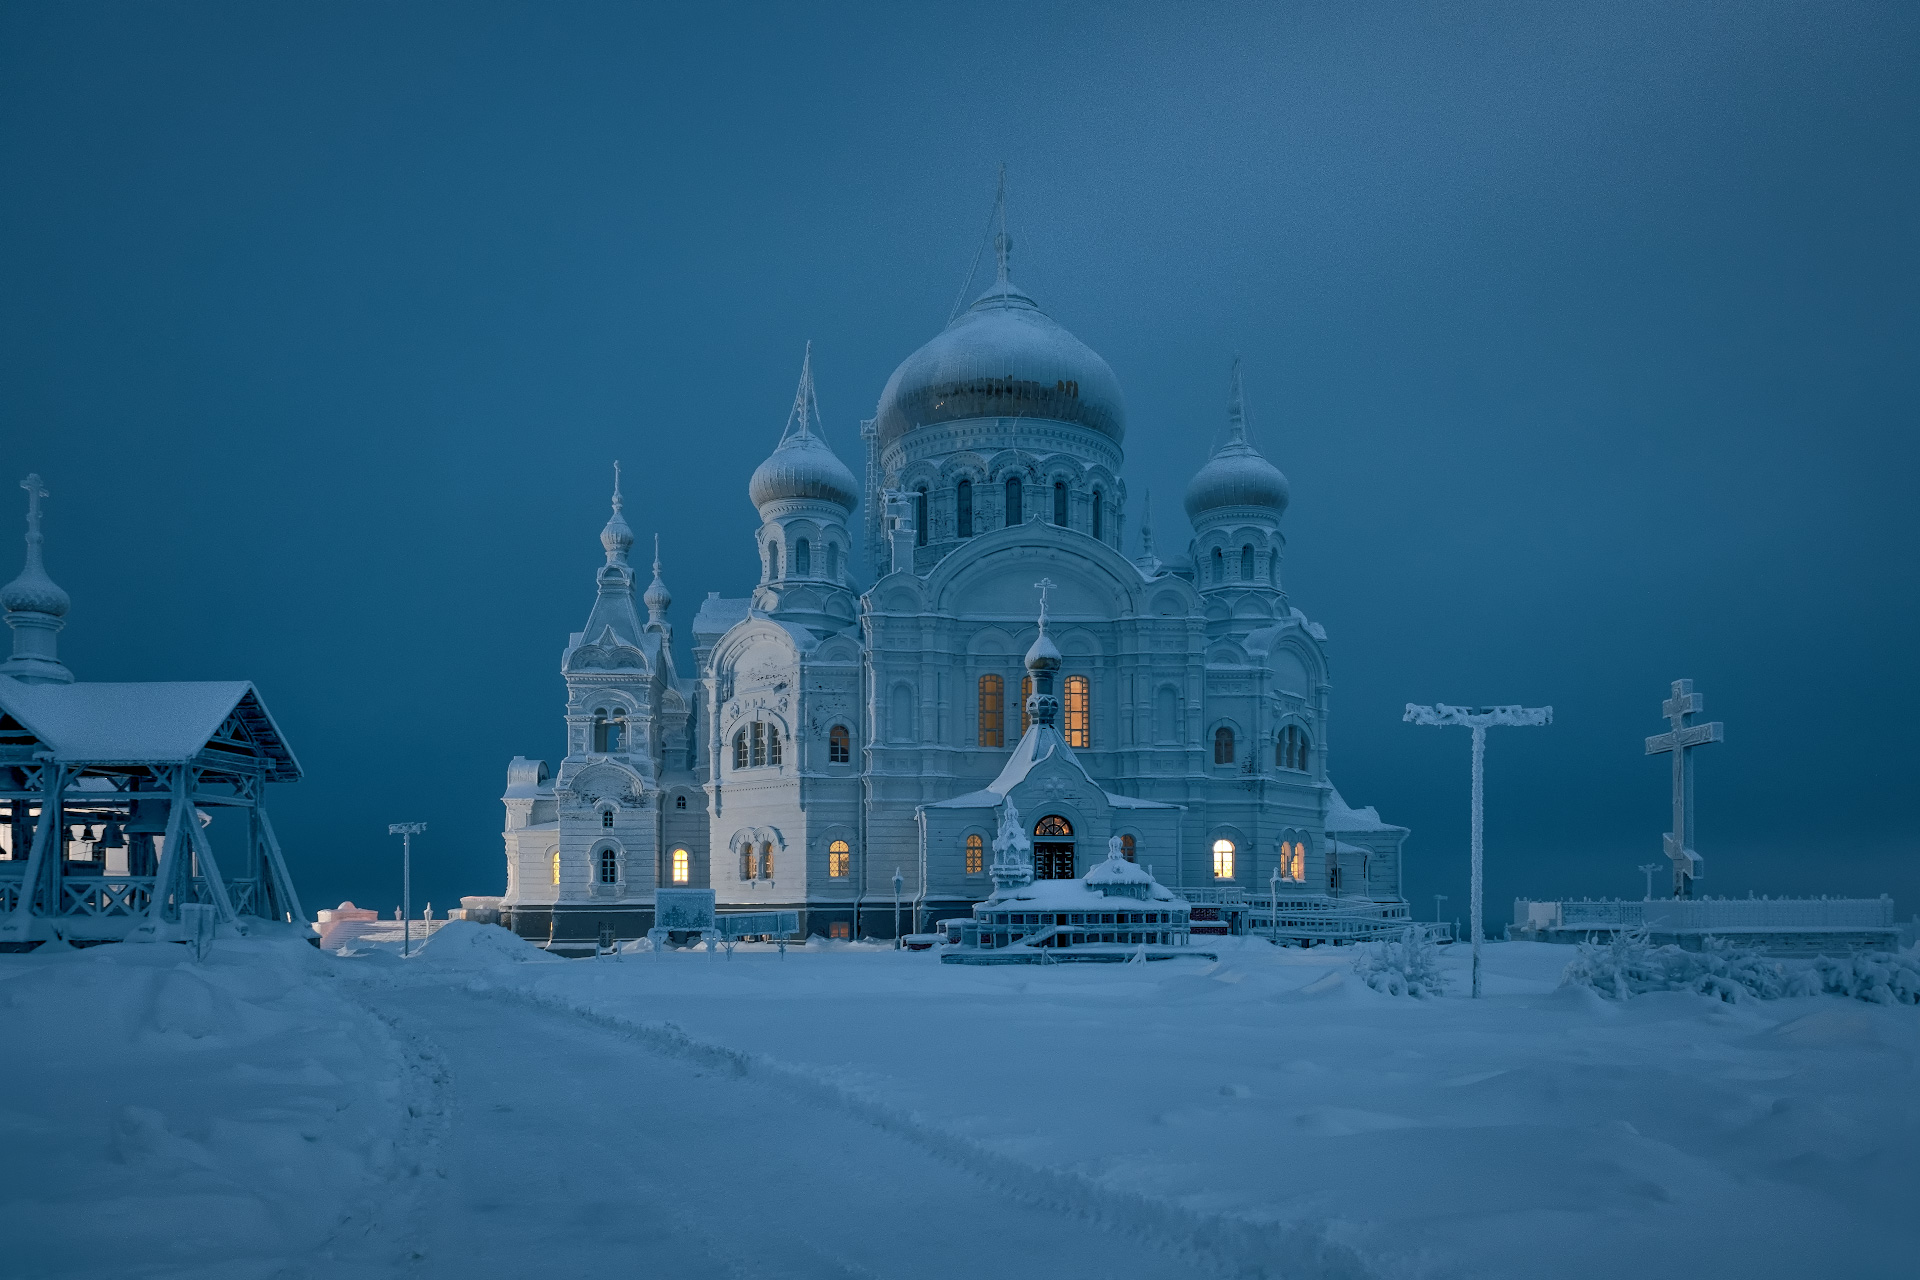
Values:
[(1438, 898), (406, 831), (897, 883), (1478, 721), (1273, 908), (1647, 869)]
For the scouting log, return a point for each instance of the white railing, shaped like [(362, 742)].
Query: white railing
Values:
[(104, 896), (1708, 914)]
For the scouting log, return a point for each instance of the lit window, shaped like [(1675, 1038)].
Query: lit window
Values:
[(839, 859), (1299, 861), (556, 868), (1223, 859), (1053, 825), (993, 711), (766, 861), (1014, 514), (746, 862), (803, 558), (606, 818), (839, 745), (759, 740), (963, 508), (1026, 691), (1223, 745), (1127, 849), (839, 930), (679, 802), (740, 749), (682, 866), (1077, 700), (609, 867), (976, 854)]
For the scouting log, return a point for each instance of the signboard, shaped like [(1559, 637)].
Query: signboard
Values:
[(690, 910), (748, 924)]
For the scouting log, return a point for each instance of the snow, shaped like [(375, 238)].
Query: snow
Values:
[(161, 720), (852, 1110)]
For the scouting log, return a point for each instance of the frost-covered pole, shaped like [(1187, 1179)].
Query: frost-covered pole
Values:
[(1478, 721), (406, 831), (898, 881)]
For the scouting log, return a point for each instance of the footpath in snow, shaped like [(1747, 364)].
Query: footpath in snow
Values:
[(486, 1109)]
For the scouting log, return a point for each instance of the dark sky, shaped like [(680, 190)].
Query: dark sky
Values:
[(1585, 333)]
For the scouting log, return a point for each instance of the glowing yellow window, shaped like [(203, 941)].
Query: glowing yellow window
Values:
[(682, 866), (1026, 691), (839, 859), (976, 854), (1077, 712), (1223, 859), (556, 867)]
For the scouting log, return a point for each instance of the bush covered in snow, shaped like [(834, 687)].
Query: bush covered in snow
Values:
[(1630, 965), (1405, 966)]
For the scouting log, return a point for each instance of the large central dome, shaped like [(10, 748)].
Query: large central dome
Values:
[(1003, 357)]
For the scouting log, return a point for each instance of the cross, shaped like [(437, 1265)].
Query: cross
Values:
[(35, 492), (1681, 740), (1044, 585)]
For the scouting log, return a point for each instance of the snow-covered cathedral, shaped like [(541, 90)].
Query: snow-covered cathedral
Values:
[(837, 742)]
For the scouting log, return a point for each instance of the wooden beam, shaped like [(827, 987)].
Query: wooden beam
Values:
[(19, 922), (277, 863), (210, 872)]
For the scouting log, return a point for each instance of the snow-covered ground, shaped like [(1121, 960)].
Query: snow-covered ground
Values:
[(484, 1109)]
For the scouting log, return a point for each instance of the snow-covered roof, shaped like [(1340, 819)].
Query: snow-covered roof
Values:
[(1342, 817), (1075, 895), (717, 616), (1040, 742), (145, 723)]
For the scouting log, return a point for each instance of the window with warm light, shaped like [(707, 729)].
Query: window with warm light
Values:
[(682, 869), (1026, 691), (976, 854), (1053, 825), (1127, 850), (839, 745), (1223, 859), (556, 868), (766, 861), (839, 860), (1078, 700), (993, 711)]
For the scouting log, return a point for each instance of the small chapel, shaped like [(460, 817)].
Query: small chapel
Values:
[(842, 735)]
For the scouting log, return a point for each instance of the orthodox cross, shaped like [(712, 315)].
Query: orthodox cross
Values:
[(35, 492), (1044, 585), (1680, 740), (1478, 721)]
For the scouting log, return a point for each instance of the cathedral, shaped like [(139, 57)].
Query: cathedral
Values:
[(840, 745)]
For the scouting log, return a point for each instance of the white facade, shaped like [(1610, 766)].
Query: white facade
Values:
[(833, 733)]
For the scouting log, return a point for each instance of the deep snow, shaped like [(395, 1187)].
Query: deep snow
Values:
[(485, 1109)]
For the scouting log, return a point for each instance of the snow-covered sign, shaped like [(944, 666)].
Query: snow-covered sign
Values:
[(753, 924), (683, 910), (1680, 740)]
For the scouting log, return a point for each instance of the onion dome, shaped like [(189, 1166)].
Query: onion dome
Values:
[(1003, 357), (803, 466), (1045, 654), (1237, 475), (617, 538), (33, 591), (657, 598)]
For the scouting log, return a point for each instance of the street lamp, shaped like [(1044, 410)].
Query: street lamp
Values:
[(1273, 909), (406, 831), (1478, 721), (897, 883), (1438, 898)]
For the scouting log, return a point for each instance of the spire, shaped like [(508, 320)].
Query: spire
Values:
[(1236, 407), (1002, 242), (36, 607), (616, 537), (806, 408), (658, 599)]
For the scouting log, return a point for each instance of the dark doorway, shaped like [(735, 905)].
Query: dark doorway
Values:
[(1052, 860)]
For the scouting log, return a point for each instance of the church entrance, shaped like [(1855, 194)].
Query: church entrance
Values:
[(1052, 856)]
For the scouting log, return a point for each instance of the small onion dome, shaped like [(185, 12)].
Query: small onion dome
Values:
[(1044, 655), (34, 592), (617, 538), (1237, 475), (657, 598), (1003, 357), (804, 467)]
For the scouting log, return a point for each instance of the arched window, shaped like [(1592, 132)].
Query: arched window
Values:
[(839, 745), (1060, 503), (1223, 859), (839, 860), (1166, 714), (803, 558), (920, 516), (1014, 513), (1127, 850), (609, 867), (617, 730), (1219, 566), (773, 744), (682, 870), (1246, 563), (963, 508), (976, 854), (759, 741), (1299, 861), (746, 862), (606, 818), (766, 861), (556, 868), (993, 711), (679, 802), (1223, 745), (1099, 514), (1291, 751), (599, 728), (1026, 691), (740, 749), (833, 562), (1078, 715), (1053, 825)]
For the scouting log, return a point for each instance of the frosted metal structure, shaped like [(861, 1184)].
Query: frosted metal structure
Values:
[(1680, 740), (1478, 721), (407, 831), (108, 791)]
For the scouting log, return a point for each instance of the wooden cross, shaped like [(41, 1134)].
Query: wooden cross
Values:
[(1680, 741)]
